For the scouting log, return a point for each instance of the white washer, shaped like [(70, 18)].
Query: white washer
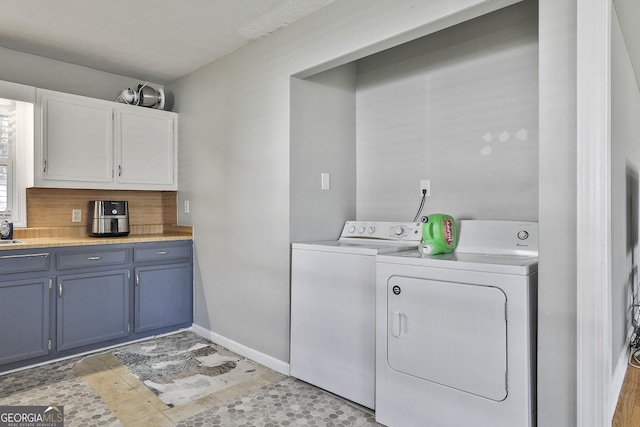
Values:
[(333, 306), (456, 333)]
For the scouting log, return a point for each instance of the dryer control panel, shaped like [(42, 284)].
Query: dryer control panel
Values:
[(498, 237)]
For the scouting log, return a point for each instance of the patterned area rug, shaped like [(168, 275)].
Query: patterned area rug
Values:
[(182, 368)]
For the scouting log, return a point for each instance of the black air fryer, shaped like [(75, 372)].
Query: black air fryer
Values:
[(108, 218)]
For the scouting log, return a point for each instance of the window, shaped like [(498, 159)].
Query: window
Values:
[(16, 147)]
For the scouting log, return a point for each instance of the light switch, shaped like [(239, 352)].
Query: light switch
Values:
[(326, 181)]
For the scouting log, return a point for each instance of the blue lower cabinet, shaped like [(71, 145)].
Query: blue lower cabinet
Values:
[(92, 308), (163, 296), (75, 299), (24, 319)]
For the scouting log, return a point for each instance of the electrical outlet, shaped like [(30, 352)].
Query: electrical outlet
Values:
[(425, 184), (76, 215), (187, 208)]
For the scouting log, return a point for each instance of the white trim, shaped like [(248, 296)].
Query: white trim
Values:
[(17, 92), (618, 379), (242, 350), (593, 212), (24, 162)]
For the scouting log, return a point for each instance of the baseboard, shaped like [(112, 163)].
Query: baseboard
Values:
[(618, 379), (242, 350)]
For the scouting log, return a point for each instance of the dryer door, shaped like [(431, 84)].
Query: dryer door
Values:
[(453, 334)]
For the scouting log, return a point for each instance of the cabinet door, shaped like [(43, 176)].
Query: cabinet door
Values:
[(77, 139), (92, 308), (163, 296), (146, 147), (24, 315)]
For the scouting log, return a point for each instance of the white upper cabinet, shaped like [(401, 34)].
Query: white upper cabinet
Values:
[(90, 143), (77, 140), (145, 145)]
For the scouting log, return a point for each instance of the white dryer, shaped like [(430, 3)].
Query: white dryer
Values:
[(456, 333), (333, 306)]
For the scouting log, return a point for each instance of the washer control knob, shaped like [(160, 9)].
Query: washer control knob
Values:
[(371, 229), (523, 235), (399, 230), (351, 229), (361, 229)]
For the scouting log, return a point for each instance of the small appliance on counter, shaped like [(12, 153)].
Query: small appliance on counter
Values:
[(6, 226), (108, 218)]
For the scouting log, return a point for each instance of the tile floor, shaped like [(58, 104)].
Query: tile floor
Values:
[(115, 388)]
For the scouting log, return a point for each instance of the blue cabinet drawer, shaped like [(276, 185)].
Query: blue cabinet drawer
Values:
[(91, 257), (162, 252), (20, 263)]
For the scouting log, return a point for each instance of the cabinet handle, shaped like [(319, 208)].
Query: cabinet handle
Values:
[(44, 166), (137, 280), (119, 170), (24, 256), (163, 252), (94, 258), (60, 290)]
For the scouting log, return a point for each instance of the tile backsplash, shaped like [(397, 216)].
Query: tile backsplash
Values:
[(149, 211)]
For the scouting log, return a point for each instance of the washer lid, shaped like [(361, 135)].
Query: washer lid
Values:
[(370, 238)]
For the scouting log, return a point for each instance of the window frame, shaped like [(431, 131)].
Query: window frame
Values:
[(22, 163), (8, 109)]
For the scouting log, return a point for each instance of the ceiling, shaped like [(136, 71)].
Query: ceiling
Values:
[(152, 40), (162, 40)]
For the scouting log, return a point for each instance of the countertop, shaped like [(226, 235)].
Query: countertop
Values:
[(61, 241)]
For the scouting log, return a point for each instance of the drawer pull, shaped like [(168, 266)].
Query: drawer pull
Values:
[(94, 258), (24, 256), (60, 290), (163, 252)]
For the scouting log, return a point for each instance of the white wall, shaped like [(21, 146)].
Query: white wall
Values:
[(460, 108), (625, 167), (323, 140)]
